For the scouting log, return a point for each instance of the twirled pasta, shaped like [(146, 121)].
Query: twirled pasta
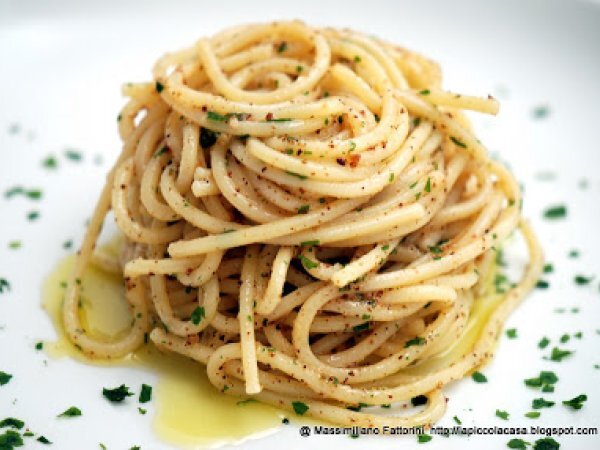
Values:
[(307, 213)]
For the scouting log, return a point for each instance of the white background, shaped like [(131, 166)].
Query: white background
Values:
[(62, 64)]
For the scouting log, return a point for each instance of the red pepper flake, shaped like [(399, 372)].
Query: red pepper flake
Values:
[(269, 116), (353, 160)]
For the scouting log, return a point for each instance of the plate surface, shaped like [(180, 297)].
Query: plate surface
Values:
[(63, 64)]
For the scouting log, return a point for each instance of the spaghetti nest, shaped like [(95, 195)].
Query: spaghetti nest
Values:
[(307, 213)]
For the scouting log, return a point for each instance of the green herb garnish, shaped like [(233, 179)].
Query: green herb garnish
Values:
[(518, 444), (555, 212), (73, 411), (502, 414), (576, 402), (11, 422), (546, 444), (511, 333), (300, 408), (538, 403), (415, 341), (145, 394), (558, 354), (117, 394), (4, 378), (307, 263), (424, 438), (478, 377), (297, 175), (197, 315), (303, 209)]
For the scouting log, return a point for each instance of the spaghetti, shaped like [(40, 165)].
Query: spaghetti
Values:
[(307, 213)]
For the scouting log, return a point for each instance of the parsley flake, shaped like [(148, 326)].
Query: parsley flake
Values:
[(300, 408), (117, 394)]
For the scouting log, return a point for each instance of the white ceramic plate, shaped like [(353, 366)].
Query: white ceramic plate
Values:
[(62, 66)]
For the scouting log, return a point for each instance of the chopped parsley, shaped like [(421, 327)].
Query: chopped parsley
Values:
[(457, 420), (558, 354), (546, 444), (542, 284), (297, 175), (303, 209), (425, 92), (511, 333), (15, 245), (415, 341), (543, 342), (50, 162), (502, 414), (33, 194), (44, 440), (436, 249), (300, 408), (428, 185), (576, 402), (533, 414), (142, 411), (424, 438), (357, 59), (357, 407), (33, 215), (361, 327), (145, 394), (518, 444), (539, 403), (73, 411), (548, 268), (282, 47), (457, 142), (540, 112), (478, 377), (207, 137), (162, 151), (307, 262), (10, 439), (545, 380), (197, 315), (216, 117), (4, 284), (117, 394), (280, 120), (245, 402), (555, 212), (582, 280), (159, 87), (310, 243), (4, 378), (11, 422), (73, 155)]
